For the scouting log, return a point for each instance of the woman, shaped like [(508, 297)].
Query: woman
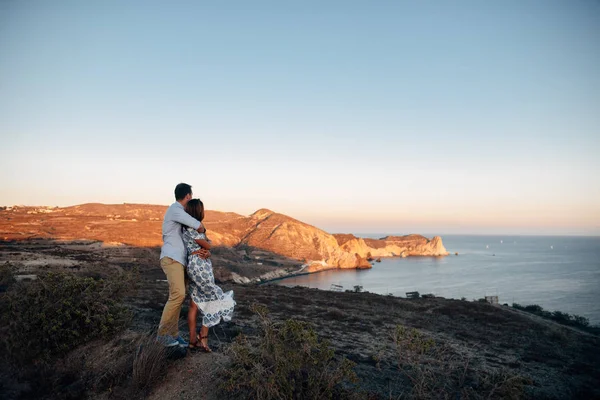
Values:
[(204, 293)]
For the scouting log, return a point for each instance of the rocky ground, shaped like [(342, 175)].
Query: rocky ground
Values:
[(98, 259), (495, 341), (561, 362)]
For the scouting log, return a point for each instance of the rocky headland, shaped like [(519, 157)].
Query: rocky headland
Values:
[(274, 245)]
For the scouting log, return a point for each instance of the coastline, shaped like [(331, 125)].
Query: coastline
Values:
[(287, 277), (295, 275), (564, 278)]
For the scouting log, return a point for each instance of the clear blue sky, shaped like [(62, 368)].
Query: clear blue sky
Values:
[(421, 116)]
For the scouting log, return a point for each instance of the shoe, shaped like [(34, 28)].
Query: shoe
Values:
[(167, 340), (181, 342)]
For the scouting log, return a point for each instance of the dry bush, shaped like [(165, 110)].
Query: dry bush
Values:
[(45, 322), (335, 314), (287, 361), (6, 276), (503, 384), (57, 312)]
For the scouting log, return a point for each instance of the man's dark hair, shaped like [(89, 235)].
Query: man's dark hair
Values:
[(182, 190)]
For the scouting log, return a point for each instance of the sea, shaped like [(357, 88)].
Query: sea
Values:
[(559, 273)]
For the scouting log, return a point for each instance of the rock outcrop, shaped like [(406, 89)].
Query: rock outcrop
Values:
[(289, 237), (393, 246)]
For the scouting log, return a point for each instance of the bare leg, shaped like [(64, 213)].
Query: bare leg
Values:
[(192, 313)]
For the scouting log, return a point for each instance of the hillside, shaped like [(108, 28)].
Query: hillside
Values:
[(274, 244)]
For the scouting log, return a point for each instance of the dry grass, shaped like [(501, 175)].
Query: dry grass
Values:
[(128, 367), (435, 370), (150, 363)]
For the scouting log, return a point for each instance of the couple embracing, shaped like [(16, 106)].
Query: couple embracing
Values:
[(186, 251)]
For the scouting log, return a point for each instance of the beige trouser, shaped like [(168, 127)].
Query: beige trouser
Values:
[(169, 322)]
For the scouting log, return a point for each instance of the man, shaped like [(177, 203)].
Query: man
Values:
[(173, 259)]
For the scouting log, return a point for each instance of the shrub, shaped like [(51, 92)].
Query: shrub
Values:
[(578, 320), (288, 361), (503, 384), (533, 308), (358, 288), (6, 276), (335, 314), (57, 312), (559, 317), (411, 342)]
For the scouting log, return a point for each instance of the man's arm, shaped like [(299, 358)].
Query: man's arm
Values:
[(186, 219)]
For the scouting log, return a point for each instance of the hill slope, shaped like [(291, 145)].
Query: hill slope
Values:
[(140, 225)]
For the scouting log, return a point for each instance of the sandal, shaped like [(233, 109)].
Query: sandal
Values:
[(202, 347), (195, 345)]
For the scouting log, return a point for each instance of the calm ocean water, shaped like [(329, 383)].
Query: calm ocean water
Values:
[(558, 273)]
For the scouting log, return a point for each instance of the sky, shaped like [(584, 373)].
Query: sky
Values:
[(354, 116)]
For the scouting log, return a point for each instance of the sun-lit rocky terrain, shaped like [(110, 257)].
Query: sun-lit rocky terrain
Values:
[(272, 244)]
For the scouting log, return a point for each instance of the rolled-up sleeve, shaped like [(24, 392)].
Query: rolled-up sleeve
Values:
[(179, 215)]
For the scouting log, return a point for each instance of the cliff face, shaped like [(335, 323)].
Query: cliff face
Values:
[(140, 225), (394, 246), (289, 237)]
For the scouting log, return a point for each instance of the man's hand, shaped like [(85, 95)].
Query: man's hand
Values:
[(202, 253)]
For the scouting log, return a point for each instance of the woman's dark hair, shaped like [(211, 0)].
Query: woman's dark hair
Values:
[(182, 190), (195, 208)]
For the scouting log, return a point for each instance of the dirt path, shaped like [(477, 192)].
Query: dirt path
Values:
[(193, 377)]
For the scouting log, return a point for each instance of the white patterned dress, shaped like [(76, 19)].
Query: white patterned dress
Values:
[(210, 298)]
